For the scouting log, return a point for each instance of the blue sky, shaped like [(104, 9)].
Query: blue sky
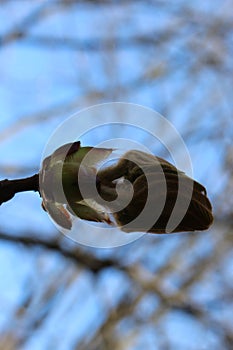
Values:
[(37, 80)]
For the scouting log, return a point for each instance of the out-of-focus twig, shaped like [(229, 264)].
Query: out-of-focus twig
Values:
[(86, 260)]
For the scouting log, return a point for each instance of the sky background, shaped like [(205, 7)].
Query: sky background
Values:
[(58, 57)]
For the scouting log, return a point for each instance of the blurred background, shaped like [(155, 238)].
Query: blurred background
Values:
[(162, 291)]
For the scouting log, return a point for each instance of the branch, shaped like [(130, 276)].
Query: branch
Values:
[(8, 188), (85, 259)]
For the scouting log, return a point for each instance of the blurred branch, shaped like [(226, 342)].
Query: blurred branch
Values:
[(59, 109), (14, 170), (87, 260), (19, 30), (101, 44)]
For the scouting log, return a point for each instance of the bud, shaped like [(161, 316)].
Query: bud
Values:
[(157, 187), (140, 169)]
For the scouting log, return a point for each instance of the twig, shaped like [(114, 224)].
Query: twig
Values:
[(8, 188)]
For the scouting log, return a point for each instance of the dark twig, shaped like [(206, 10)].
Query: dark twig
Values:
[(8, 188)]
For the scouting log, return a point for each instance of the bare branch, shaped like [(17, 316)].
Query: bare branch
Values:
[(8, 188)]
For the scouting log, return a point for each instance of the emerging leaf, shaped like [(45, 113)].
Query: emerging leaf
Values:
[(61, 174)]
